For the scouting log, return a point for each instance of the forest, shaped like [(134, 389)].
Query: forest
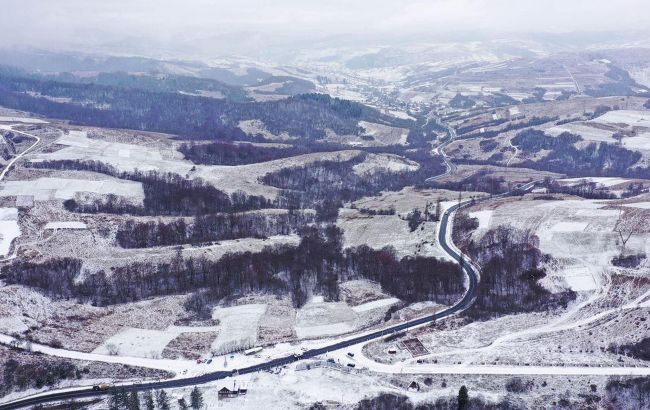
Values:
[(228, 153), (326, 185), (315, 266), (585, 189), (511, 267), (511, 126), (305, 115), (209, 228), (164, 193), (481, 181)]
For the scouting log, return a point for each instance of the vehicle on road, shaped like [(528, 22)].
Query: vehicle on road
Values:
[(102, 387), (252, 351)]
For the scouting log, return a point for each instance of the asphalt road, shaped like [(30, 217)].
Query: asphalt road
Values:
[(463, 304)]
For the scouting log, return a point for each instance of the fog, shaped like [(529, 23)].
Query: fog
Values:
[(202, 26)]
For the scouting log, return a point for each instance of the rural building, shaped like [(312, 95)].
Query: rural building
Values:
[(226, 393)]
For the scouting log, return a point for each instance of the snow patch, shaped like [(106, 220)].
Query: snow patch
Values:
[(9, 229)]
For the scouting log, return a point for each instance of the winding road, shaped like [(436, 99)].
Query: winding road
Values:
[(8, 167), (463, 304), (19, 156), (444, 238)]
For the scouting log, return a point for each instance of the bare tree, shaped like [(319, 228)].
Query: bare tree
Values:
[(625, 231)]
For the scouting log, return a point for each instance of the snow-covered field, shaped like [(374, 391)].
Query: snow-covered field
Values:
[(604, 181), (640, 205), (483, 217), (254, 127), (9, 229), (65, 225), (240, 324), (25, 120), (602, 128), (385, 134), (579, 234), (385, 162), (586, 130), (44, 189), (388, 230), (625, 117), (135, 342), (318, 318), (129, 157)]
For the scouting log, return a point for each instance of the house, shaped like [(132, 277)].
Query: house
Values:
[(226, 393)]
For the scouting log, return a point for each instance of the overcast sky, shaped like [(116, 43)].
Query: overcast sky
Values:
[(68, 23)]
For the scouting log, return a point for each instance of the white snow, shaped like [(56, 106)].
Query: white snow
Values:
[(484, 217), (25, 120), (565, 226), (639, 142), (640, 205), (9, 229), (384, 162), (134, 342), (144, 158), (11, 325), (579, 278), (629, 117), (384, 133), (304, 332), (319, 318), (239, 324), (604, 181), (65, 225), (44, 189), (364, 307)]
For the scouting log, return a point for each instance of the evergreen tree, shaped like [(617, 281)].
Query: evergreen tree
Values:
[(196, 398), (162, 400), (123, 399), (463, 398), (134, 401), (114, 401), (182, 405), (148, 401)]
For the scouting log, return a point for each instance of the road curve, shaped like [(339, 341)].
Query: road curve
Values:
[(461, 305), (8, 167), (19, 156)]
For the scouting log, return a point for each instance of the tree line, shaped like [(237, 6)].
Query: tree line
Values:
[(511, 267), (164, 193), (132, 107), (209, 228), (315, 266), (121, 399), (228, 153), (326, 185)]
